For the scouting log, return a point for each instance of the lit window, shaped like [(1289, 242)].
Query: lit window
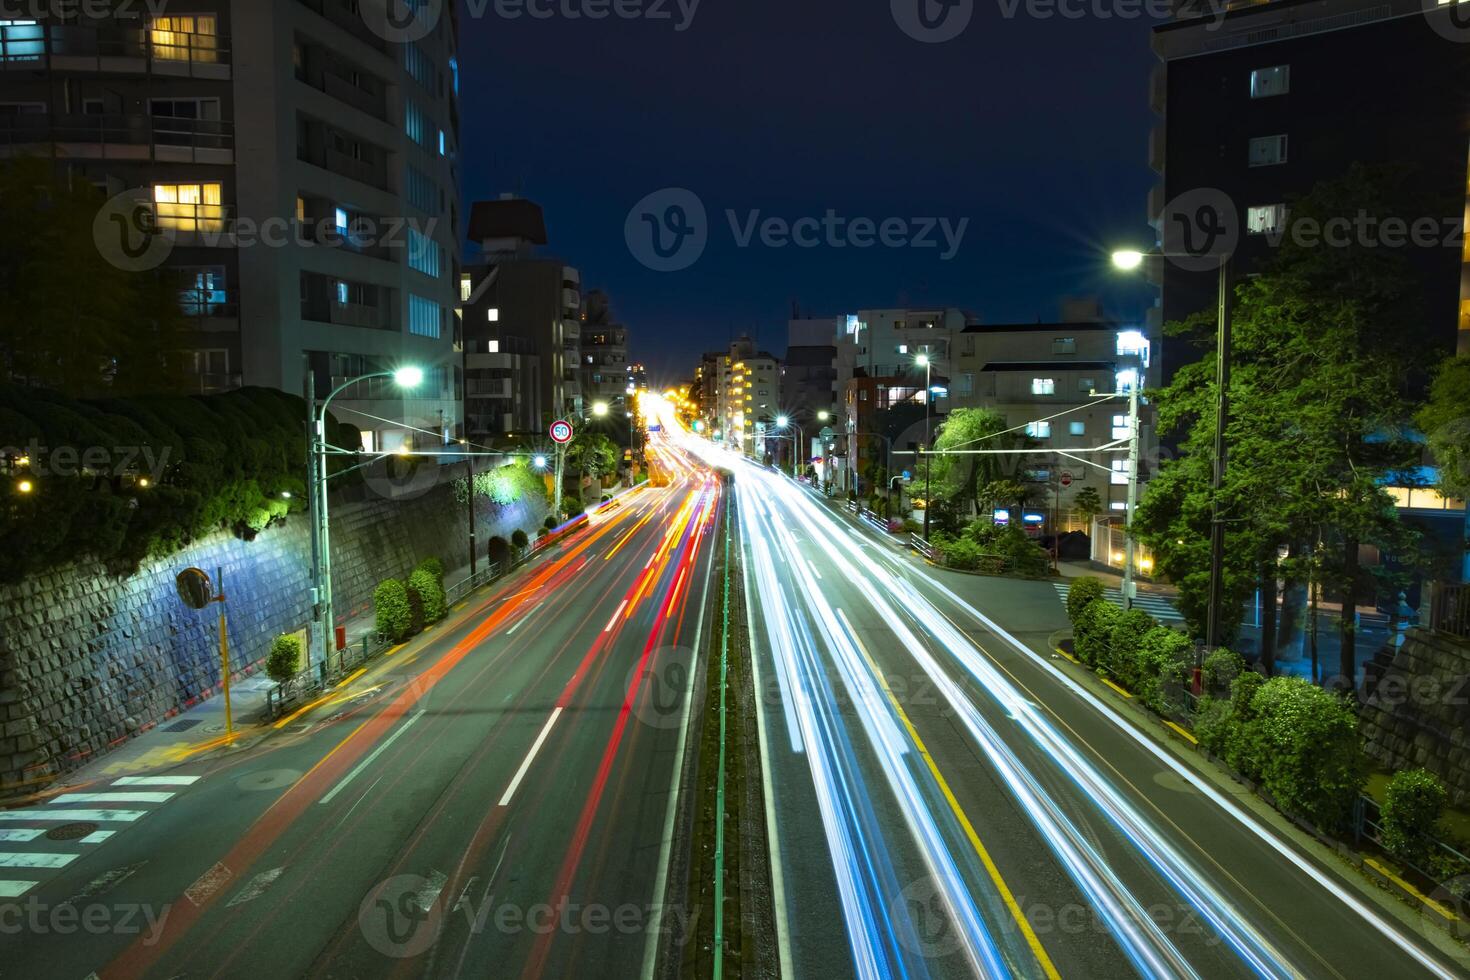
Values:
[(189, 207), (425, 317), (1121, 428), (903, 348), (1132, 343), (1064, 345), (442, 149), (1077, 428), (341, 216), (1043, 386), (188, 38), (1119, 504), (1265, 219), (21, 41), (1268, 151), (494, 347), (493, 314), (1038, 430), (343, 291), (1266, 82), (1120, 473), (466, 288), (1127, 380)]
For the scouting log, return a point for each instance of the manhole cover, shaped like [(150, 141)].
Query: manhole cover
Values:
[(268, 779), (71, 831), (183, 726)]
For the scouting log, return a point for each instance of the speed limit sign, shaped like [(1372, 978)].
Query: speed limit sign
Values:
[(561, 432)]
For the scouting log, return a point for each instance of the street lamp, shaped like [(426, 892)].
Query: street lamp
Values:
[(1129, 260), (599, 410), (927, 363), (782, 421), (407, 378), (539, 462)]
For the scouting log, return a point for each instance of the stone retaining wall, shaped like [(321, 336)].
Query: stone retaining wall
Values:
[(87, 661), (1418, 714)]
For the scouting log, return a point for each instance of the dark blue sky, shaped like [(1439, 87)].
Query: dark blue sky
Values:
[(1035, 130)]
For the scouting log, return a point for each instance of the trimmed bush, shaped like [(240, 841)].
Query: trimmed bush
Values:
[(498, 550), (1411, 809), (551, 524), (1083, 593), (434, 567), (1221, 669), (427, 591), (284, 659), (394, 616), (1159, 666), (1092, 636), (519, 540), (1304, 743), (1124, 646)]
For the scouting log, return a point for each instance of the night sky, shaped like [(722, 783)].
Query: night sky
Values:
[(1035, 130)]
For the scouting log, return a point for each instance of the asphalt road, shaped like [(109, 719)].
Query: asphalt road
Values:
[(493, 800), (948, 800)]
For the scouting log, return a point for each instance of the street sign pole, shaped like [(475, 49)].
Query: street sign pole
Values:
[(224, 654)]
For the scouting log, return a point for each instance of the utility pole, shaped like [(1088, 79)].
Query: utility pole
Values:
[(1217, 484), (314, 497), (1130, 587), (928, 443)]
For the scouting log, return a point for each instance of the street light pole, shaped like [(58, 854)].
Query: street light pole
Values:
[(1130, 587), (1217, 483), (928, 443)]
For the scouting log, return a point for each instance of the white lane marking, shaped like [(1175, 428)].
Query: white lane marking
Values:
[(68, 816), (372, 757), (523, 619), (614, 621), (103, 882), (15, 889), (114, 798), (256, 888), (429, 894), (96, 838), (156, 781), (526, 765), (19, 836), (38, 860), (814, 569), (210, 882)]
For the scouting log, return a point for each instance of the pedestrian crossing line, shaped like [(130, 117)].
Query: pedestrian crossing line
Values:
[(38, 860), (114, 798), (1160, 607), (156, 781), (97, 837), (19, 836), (15, 889), (72, 816)]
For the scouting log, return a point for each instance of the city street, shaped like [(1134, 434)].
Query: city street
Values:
[(495, 799), (964, 807)]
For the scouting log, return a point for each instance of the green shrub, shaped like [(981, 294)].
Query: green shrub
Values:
[(1221, 669), (498, 550), (519, 540), (1083, 593), (551, 524), (1124, 646), (1304, 743), (1215, 725), (1411, 809), (961, 553), (284, 659), (426, 594), (391, 608), (1093, 633), (434, 567), (1159, 666)]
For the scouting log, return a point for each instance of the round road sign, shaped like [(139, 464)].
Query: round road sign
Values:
[(561, 433), (1066, 479)]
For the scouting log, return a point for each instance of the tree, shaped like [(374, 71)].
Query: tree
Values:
[(981, 479), (1411, 811), (1089, 504), (284, 659), (1320, 400), (593, 454), (119, 333)]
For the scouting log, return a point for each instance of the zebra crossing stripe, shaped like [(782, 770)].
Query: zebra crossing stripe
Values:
[(41, 860), (114, 798), (19, 836), (15, 889), (156, 781), (73, 816)]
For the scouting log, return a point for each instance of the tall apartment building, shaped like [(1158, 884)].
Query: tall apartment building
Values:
[(521, 317), (302, 165), (749, 394), (606, 372), (1281, 95)]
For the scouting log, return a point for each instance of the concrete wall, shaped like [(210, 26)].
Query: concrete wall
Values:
[(1418, 714), (88, 661)]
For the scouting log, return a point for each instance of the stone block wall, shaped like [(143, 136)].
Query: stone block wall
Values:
[(1418, 714), (88, 660)]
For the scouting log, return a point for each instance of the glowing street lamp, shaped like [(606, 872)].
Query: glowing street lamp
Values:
[(1128, 259), (599, 410), (25, 486), (539, 462)]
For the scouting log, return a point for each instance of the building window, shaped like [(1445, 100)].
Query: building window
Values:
[(185, 122), (1043, 386), (21, 41), (1268, 151), (1087, 385), (493, 347), (209, 362), (493, 314), (1120, 473), (425, 317), (189, 207), (1077, 428), (965, 384), (424, 254), (1132, 343), (416, 124), (466, 288), (443, 145), (423, 192), (1266, 82), (1064, 345), (1038, 430), (187, 38), (1121, 428), (203, 291), (1119, 504), (1265, 219)]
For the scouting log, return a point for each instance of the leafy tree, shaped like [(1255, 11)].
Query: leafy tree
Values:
[(284, 658), (1088, 503), (393, 614), (498, 550), (121, 333), (1083, 592), (1124, 644), (593, 454), (1319, 406), (979, 479), (519, 540), (1411, 810)]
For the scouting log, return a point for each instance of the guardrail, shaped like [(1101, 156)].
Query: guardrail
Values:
[(917, 542), (1449, 608)]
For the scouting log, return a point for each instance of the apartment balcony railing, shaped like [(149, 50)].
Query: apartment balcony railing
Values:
[(323, 232), (119, 137), (342, 14), (363, 171), (488, 388), (110, 47), (209, 384), (204, 304), (342, 90)]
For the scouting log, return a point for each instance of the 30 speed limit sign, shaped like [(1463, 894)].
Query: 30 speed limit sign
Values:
[(561, 433)]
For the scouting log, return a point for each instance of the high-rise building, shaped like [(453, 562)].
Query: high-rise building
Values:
[(606, 373), (301, 162), (1262, 101), (749, 395)]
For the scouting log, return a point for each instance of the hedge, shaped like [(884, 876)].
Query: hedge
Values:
[(428, 589), (519, 540), (284, 659), (1093, 631), (1083, 592), (1302, 744), (1411, 810), (394, 616)]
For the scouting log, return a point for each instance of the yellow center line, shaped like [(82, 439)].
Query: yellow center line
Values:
[(1032, 940), (351, 677)]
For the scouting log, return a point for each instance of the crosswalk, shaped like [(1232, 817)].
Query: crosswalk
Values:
[(1158, 606), (38, 841)]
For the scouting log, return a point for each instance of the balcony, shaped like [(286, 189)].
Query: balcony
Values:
[(209, 384), (571, 301), (1157, 149), (113, 48), (342, 15), (374, 104), (118, 137), (491, 388), (335, 161)]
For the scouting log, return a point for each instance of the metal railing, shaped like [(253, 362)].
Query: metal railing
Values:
[(1449, 608), (917, 542)]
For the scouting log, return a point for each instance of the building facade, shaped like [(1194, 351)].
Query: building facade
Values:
[(302, 169)]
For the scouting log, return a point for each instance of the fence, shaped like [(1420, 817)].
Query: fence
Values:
[(1449, 608), (1110, 545)]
